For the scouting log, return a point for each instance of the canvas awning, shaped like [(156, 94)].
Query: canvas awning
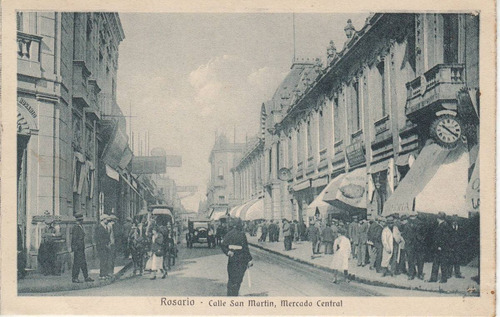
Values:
[(242, 211), (348, 190), (323, 207), (473, 193), (437, 181), (255, 211)]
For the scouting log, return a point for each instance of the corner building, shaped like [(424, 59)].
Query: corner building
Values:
[(67, 65)]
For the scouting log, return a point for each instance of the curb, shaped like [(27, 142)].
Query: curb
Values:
[(76, 286), (359, 279)]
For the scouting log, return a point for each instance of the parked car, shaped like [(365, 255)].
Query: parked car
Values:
[(197, 232)]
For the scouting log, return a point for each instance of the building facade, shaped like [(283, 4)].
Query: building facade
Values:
[(221, 188), (73, 150), (371, 111)]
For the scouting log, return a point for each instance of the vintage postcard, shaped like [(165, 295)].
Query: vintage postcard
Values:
[(248, 158)]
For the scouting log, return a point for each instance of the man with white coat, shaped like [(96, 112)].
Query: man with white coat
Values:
[(342, 252), (387, 245)]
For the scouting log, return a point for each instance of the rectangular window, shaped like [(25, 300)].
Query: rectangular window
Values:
[(450, 38), (19, 21), (222, 198), (290, 152), (278, 157), (381, 71), (300, 147), (309, 140), (336, 120), (221, 172), (322, 131), (356, 107)]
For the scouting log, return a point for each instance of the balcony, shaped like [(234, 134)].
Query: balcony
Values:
[(80, 89), (433, 91), (28, 54)]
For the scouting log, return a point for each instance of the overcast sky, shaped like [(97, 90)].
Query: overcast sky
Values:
[(187, 76)]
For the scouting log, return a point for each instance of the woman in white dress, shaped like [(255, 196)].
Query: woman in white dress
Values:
[(157, 251), (342, 252)]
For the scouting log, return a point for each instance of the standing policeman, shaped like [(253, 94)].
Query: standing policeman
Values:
[(78, 247), (235, 246)]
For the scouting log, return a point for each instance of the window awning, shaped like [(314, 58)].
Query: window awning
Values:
[(437, 181), (242, 211), (236, 210), (473, 193), (348, 190), (323, 207), (255, 211)]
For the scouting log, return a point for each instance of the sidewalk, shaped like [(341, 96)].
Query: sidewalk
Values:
[(302, 251), (38, 283)]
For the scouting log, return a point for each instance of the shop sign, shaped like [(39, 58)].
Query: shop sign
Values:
[(355, 154)]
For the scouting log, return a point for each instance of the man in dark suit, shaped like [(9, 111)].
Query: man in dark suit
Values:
[(441, 250), (456, 247), (78, 247), (235, 246), (103, 246)]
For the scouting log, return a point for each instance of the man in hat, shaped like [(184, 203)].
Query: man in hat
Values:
[(113, 238), (313, 234), (362, 242), (375, 244), (235, 246), (414, 247), (353, 232), (78, 248), (387, 245), (441, 249), (127, 228), (287, 235), (102, 245), (456, 247)]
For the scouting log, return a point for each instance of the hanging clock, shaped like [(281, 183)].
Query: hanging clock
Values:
[(447, 131)]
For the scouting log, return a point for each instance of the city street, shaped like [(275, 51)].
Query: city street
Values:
[(202, 272)]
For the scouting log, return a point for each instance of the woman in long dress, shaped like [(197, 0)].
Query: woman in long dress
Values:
[(157, 251), (342, 252)]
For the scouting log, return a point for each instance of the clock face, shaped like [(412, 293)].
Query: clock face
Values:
[(447, 130)]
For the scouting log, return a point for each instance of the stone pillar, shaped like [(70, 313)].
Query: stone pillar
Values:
[(315, 138)]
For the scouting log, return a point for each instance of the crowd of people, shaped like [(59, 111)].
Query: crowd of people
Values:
[(151, 244), (390, 245)]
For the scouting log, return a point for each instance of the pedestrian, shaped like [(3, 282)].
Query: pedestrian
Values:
[(157, 253), (398, 260), (313, 235), (387, 245), (287, 235), (353, 235), (415, 247), (340, 261), (362, 242), (265, 230), (112, 244), (102, 245), (171, 249), (136, 246), (441, 250), (235, 246), (375, 244), (47, 253), (456, 247), (327, 236), (211, 236), (127, 227), (78, 248)]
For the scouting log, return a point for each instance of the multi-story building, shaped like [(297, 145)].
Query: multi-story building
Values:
[(220, 189), (247, 179), (400, 93), (72, 146)]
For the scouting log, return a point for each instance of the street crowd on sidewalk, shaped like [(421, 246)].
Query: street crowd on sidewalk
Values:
[(148, 241), (390, 246)]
